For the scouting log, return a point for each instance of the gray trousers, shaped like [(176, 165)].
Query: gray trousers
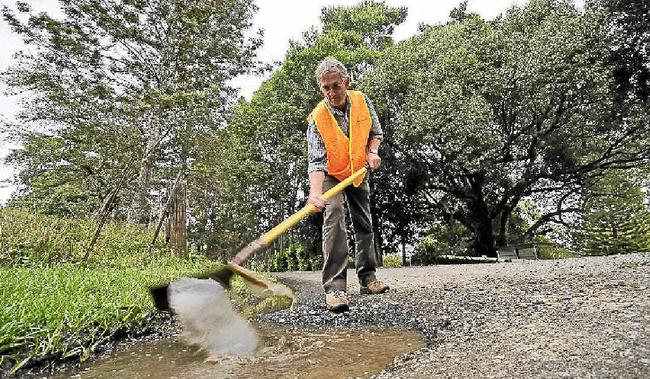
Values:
[(335, 243)]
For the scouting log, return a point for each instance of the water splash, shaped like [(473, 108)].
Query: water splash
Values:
[(208, 318)]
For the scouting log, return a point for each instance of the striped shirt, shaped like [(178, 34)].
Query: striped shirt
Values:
[(316, 154)]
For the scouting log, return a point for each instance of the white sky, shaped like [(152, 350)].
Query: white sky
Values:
[(282, 20)]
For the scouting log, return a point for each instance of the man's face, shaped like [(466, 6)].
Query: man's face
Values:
[(333, 88)]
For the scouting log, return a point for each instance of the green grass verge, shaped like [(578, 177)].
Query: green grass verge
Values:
[(67, 310), (53, 307)]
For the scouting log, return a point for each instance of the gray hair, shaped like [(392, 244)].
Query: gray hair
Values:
[(331, 65)]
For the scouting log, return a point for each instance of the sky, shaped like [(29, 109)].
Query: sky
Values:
[(282, 21)]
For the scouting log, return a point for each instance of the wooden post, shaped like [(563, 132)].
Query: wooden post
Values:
[(178, 219)]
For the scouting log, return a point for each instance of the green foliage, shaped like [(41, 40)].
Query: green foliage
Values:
[(259, 178), (293, 258), (630, 43), (547, 248), (616, 219), (392, 261), (316, 262), (450, 238), (30, 238), (484, 114), (63, 200), (54, 306), (117, 80), (518, 222), (554, 252)]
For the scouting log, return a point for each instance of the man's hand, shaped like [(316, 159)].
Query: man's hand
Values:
[(318, 201), (373, 160), (316, 179)]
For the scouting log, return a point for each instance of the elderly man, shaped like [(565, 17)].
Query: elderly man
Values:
[(343, 135)]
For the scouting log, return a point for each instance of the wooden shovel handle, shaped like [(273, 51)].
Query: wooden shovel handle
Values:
[(270, 236)]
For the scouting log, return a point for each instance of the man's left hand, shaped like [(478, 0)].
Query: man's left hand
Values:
[(373, 161)]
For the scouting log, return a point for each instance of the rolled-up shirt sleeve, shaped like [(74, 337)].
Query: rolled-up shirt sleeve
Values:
[(316, 154), (375, 131)]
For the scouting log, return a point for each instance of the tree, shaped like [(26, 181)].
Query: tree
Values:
[(266, 136), (443, 238), (123, 77), (630, 42), (615, 218), (490, 113)]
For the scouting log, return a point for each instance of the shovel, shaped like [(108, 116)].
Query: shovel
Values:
[(225, 273)]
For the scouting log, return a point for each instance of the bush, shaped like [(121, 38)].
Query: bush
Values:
[(351, 262), (293, 258), (317, 262), (547, 248), (442, 239), (554, 252), (63, 201), (392, 261)]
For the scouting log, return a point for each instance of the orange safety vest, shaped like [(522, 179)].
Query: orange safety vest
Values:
[(345, 155)]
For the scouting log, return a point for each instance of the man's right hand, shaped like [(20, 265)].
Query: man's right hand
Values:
[(316, 179), (318, 201)]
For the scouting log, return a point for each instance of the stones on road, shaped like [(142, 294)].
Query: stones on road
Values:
[(582, 317)]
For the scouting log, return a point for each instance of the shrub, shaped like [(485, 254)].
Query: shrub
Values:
[(553, 252), (392, 261), (293, 258), (317, 262), (442, 239), (351, 262)]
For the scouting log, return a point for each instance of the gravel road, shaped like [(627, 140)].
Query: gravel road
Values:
[(573, 318)]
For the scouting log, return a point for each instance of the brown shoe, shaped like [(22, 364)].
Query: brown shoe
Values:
[(373, 288), (337, 301)]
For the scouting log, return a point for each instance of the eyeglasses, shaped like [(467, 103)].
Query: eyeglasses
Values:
[(334, 87)]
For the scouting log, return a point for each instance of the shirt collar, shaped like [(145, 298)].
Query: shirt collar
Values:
[(337, 112)]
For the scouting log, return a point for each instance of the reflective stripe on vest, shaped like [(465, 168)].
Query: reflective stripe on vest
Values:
[(345, 155)]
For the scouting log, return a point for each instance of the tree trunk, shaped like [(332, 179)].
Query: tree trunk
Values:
[(178, 220), (107, 207), (140, 210), (165, 209), (504, 222), (484, 243)]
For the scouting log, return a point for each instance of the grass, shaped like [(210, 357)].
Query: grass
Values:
[(554, 252), (53, 306)]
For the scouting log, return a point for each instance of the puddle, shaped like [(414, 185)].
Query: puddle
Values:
[(314, 353)]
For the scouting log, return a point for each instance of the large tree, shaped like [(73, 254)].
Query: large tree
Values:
[(266, 137), (121, 78), (490, 113), (629, 23)]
